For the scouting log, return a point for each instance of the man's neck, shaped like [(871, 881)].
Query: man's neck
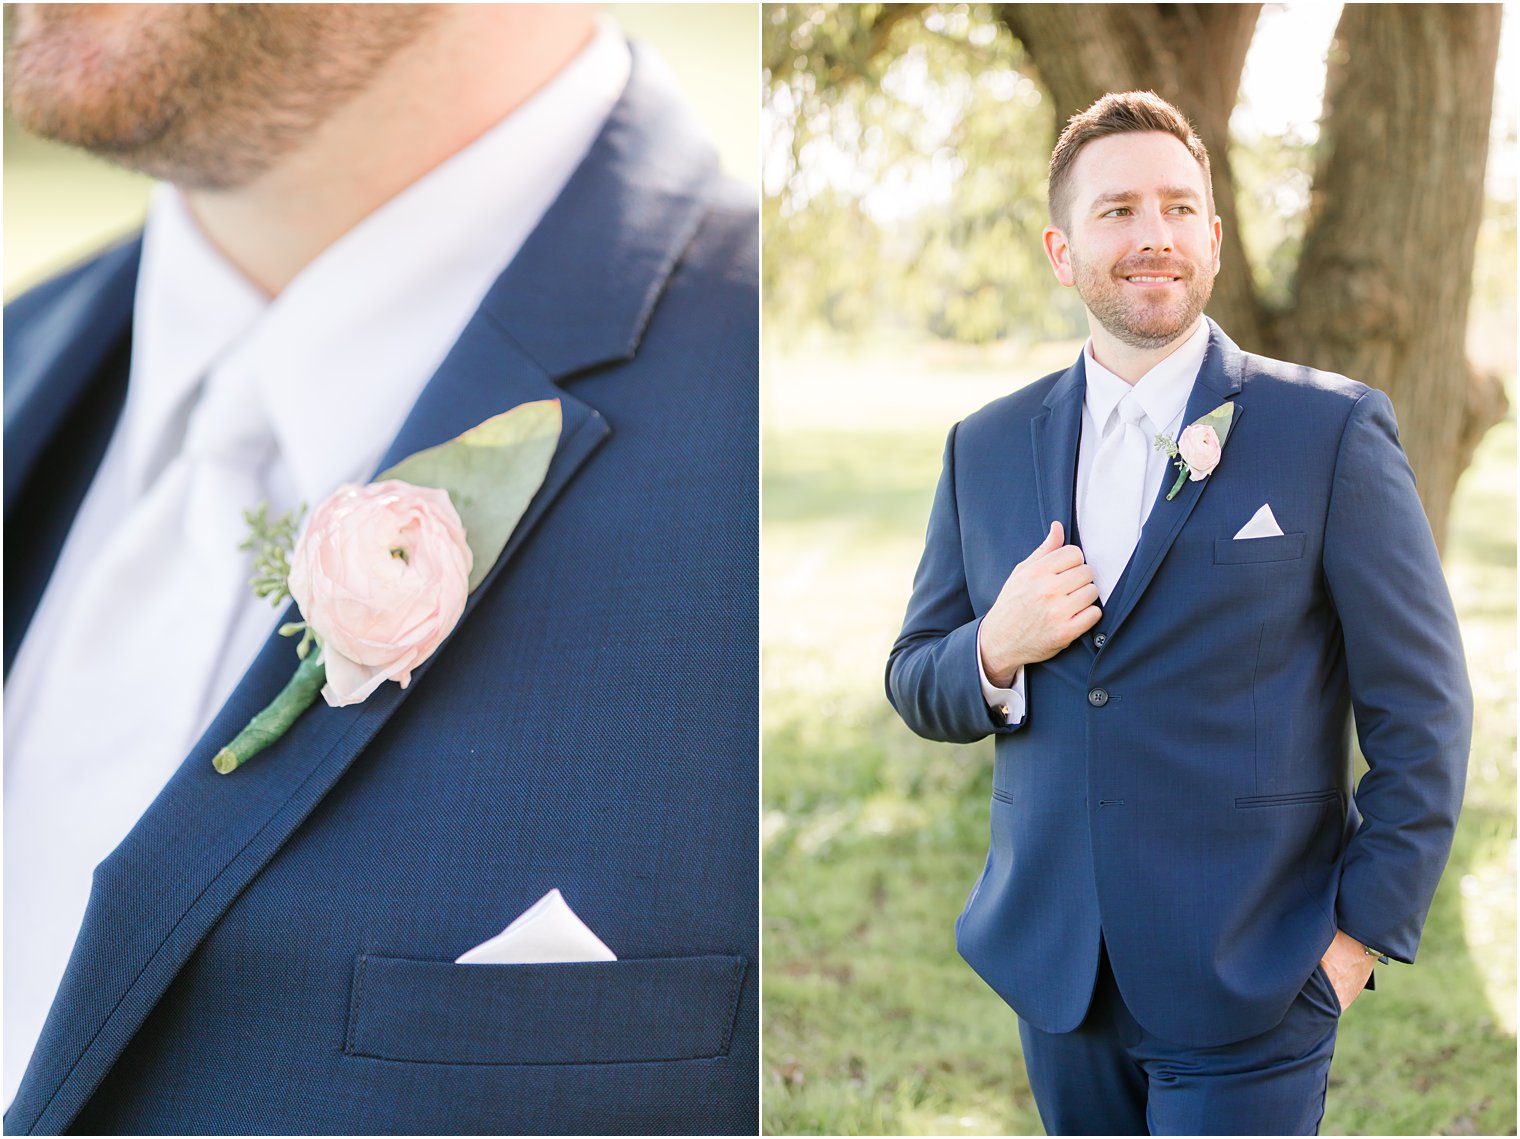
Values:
[(1127, 362), (475, 66)]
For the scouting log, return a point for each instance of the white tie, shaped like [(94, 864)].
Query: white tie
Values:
[(147, 626), (1111, 511), (176, 557)]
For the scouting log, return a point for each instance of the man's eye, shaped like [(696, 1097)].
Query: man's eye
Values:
[(1116, 211), (1184, 209)]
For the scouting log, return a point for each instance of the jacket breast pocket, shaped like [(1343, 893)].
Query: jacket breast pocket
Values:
[(596, 1012), (1239, 551)]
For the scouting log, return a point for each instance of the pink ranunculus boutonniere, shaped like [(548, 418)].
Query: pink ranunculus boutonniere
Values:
[(1198, 451), (382, 571), (381, 575)]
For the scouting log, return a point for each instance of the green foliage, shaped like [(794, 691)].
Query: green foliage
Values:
[(1272, 175), (308, 637), (271, 541), (1494, 267), (904, 180), (904, 175)]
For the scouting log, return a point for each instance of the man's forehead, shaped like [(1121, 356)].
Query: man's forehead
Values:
[(1136, 162)]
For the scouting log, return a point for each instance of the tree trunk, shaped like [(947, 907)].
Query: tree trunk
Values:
[(1189, 54), (1386, 272)]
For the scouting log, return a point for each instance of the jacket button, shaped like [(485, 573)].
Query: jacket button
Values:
[(1097, 698), (1100, 639)]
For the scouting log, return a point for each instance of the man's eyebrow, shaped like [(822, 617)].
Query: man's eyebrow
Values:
[(1128, 197), (1116, 197)]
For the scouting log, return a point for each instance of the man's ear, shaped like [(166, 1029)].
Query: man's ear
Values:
[(1218, 240), (1058, 251)]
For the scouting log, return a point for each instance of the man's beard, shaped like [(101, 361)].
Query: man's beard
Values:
[(1143, 318), (209, 96)]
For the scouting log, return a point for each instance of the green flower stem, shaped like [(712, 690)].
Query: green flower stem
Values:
[(1182, 474), (270, 724)]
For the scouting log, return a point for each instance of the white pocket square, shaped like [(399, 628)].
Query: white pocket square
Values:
[(1262, 525), (547, 932)]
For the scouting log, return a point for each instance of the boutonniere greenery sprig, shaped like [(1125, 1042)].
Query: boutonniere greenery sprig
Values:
[(1197, 451), (381, 572)]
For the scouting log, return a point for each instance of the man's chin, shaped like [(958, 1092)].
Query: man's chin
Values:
[(1144, 318), (111, 112), (1150, 334)]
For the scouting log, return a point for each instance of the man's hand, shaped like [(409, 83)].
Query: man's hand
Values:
[(1047, 602), (1348, 965)]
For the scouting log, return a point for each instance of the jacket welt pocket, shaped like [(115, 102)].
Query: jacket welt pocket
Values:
[(1278, 548), (1288, 800), (595, 1012)]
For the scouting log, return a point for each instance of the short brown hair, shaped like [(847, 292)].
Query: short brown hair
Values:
[(1122, 113)]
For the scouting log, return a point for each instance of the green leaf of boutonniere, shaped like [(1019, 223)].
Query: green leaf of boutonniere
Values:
[(1219, 419), (491, 472)]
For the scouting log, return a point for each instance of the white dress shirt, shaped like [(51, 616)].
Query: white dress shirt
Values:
[(1163, 392), (337, 360)]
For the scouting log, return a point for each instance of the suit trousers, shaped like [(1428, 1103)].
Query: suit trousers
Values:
[(1111, 1077)]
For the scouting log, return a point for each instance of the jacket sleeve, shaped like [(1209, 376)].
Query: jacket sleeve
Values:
[(933, 678), (1408, 681)]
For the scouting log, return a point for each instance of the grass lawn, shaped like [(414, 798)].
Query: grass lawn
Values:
[(872, 1023)]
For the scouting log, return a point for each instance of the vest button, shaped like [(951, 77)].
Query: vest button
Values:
[(1097, 698), (1100, 639)]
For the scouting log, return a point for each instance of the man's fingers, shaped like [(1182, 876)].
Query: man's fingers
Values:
[(1062, 559), (1073, 579), (1071, 607), (1083, 596), (1086, 619), (1054, 539)]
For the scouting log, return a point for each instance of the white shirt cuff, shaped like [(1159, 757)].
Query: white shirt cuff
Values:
[(1005, 702)]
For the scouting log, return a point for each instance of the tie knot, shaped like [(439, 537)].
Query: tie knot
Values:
[(228, 422), (1131, 410)]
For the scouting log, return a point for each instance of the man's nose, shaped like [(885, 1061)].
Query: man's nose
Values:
[(1154, 235)]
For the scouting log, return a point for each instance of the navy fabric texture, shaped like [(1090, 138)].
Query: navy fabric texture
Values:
[(1112, 1077), (271, 952), (52, 355), (598, 1012), (1181, 783)]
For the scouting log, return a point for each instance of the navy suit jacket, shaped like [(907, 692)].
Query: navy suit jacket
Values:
[(271, 951), (1181, 783)]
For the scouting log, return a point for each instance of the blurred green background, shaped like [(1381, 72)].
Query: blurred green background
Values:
[(876, 215), (61, 205)]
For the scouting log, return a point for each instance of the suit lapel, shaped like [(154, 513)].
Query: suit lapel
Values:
[(1055, 435), (50, 364), (576, 297), (1219, 379), (70, 369)]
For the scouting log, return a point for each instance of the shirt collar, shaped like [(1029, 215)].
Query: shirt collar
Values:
[(189, 307), (1163, 391), (355, 337)]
